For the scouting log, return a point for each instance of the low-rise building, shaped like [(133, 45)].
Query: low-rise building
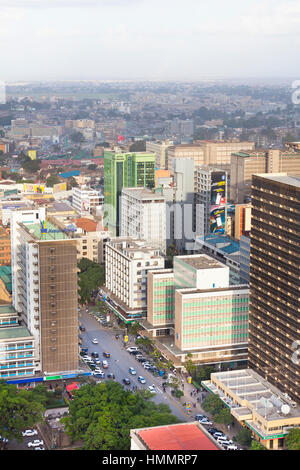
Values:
[(256, 404)]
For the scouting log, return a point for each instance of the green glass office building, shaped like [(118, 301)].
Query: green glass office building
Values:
[(124, 170)]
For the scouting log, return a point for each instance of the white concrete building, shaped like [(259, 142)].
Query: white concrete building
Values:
[(143, 216), (126, 265), (85, 199)]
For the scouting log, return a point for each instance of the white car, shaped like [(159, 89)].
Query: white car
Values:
[(35, 443), (132, 348), (141, 380), (232, 447), (95, 341), (39, 448), (104, 364), (147, 365), (205, 421), (29, 432), (132, 371), (151, 388)]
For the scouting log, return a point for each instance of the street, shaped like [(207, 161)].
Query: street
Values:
[(121, 360)]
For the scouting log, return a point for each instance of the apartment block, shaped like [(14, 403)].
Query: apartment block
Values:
[(274, 323), (143, 216), (5, 250)]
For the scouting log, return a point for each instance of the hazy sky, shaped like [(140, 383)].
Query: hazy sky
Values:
[(148, 39)]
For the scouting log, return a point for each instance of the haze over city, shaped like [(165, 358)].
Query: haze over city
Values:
[(143, 39)]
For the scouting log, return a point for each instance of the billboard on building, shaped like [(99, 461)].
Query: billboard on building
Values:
[(217, 209), (32, 154), (57, 188), (85, 207), (33, 188)]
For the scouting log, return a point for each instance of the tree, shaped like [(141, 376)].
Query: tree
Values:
[(223, 417), (255, 445), (19, 409), (91, 276), (293, 439), (77, 137), (31, 166), (139, 146), (102, 415), (72, 182), (244, 437), (213, 404), (52, 180)]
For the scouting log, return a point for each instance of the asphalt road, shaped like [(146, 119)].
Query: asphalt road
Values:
[(121, 360)]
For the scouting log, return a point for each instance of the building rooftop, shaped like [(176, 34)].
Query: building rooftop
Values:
[(231, 288), (51, 231), (5, 309), (187, 436), (282, 178), (12, 333), (143, 194), (200, 261), (5, 275), (88, 225), (256, 393), (220, 242)]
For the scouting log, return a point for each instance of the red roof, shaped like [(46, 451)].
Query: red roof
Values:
[(88, 225), (72, 386), (176, 437)]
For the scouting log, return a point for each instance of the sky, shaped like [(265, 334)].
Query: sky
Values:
[(148, 39)]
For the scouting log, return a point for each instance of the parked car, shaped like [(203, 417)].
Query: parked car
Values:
[(29, 432), (95, 354), (126, 381), (232, 447), (132, 349), (146, 365), (132, 371), (205, 421), (142, 359), (141, 379), (111, 376), (35, 443)]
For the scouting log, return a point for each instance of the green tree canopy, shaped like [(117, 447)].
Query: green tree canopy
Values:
[(91, 276), (213, 404), (102, 415), (19, 409), (293, 439)]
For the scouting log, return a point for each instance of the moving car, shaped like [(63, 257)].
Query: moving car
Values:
[(106, 354), (95, 341), (99, 375), (110, 376), (35, 443), (126, 381), (95, 354), (132, 371), (29, 432), (151, 388), (104, 364), (141, 379)]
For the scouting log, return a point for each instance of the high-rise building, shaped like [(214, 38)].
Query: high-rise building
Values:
[(211, 195), (124, 170), (245, 164), (85, 199), (208, 152), (143, 216), (159, 148), (44, 280), (274, 322)]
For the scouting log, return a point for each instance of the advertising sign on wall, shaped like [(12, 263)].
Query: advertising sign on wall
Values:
[(218, 202)]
